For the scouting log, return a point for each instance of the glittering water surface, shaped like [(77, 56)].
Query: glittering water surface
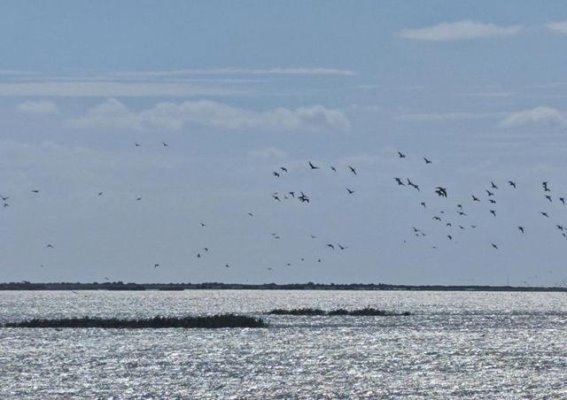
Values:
[(455, 345)]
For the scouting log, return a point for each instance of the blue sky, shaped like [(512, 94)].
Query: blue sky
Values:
[(238, 90)]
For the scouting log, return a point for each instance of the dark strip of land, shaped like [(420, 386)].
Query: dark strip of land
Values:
[(214, 321), (367, 312), (25, 285)]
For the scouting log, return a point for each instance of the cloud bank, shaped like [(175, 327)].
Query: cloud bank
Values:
[(174, 116), (462, 30), (38, 107), (546, 116), (557, 27)]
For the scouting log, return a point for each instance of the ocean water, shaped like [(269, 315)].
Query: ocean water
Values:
[(455, 345)]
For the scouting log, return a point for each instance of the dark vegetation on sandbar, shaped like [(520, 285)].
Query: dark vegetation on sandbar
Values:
[(26, 285), (213, 321), (368, 311)]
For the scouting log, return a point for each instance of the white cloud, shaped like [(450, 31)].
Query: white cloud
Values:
[(87, 88), (447, 116), (558, 27), (268, 153), (241, 71), (38, 107), (462, 30), (174, 116), (536, 116)]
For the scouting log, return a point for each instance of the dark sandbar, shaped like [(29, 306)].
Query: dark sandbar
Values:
[(214, 321)]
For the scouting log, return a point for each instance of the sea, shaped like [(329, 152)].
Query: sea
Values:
[(454, 345)]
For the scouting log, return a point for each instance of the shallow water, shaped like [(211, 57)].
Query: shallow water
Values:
[(455, 345)]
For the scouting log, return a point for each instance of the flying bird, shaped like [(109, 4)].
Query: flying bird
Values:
[(399, 182), (284, 169), (494, 246), (544, 214), (350, 191), (493, 212), (164, 144), (493, 185), (333, 168), (441, 191), (35, 191), (401, 155), (50, 246), (475, 198), (512, 183), (156, 265), (303, 198), (313, 166), (521, 228), (427, 161), (276, 174), (331, 246), (353, 170)]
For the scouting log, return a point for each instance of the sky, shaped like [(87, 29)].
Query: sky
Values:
[(136, 133)]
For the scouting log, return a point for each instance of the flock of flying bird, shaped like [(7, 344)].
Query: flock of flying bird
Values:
[(444, 217)]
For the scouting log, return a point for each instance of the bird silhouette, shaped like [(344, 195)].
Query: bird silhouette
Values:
[(50, 246), (522, 229), (413, 185), (548, 197), (562, 200), (493, 185), (350, 191), (164, 144), (546, 186), (544, 214), (276, 174), (352, 169), (494, 246), (399, 181), (401, 155), (333, 168), (331, 246), (312, 165), (441, 191), (284, 169), (427, 161), (475, 198), (493, 212), (512, 183), (35, 191), (489, 193), (156, 265), (303, 198)]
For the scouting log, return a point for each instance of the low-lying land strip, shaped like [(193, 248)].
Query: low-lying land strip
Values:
[(368, 311), (213, 321)]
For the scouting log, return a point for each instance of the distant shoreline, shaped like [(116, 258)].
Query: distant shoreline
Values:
[(268, 286)]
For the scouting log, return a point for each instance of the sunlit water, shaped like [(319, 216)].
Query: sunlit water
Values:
[(455, 345)]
